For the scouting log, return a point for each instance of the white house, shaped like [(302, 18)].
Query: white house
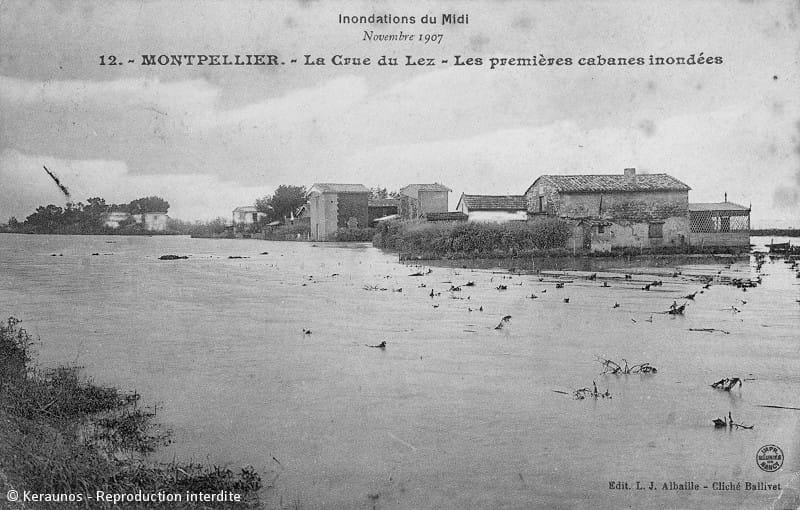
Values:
[(152, 221), (114, 218), (247, 215), (499, 208)]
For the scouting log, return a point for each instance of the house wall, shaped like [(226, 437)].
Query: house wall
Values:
[(630, 215), (729, 239), (323, 208), (409, 208), (353, 205), (113, 219), (154, 222), (496, 216), (432, 201), (622, 233)]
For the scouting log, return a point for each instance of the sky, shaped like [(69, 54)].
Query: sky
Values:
[(209, 139)]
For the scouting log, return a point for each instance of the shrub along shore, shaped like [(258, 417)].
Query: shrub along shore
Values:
[(66, 437), (459, 240)]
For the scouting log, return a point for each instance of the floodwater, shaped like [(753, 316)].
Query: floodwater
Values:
[(453, 413)]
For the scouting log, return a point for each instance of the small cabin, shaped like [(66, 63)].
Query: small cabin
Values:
[(719, 224)]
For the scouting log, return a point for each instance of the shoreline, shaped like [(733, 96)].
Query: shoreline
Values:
[(69, 443)]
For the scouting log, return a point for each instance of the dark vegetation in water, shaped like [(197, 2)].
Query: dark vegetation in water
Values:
[(63, 434), (472, 240)]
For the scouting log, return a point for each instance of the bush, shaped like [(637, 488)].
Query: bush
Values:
[(468, 240), (354, 234), (298, 232), (64, 434)]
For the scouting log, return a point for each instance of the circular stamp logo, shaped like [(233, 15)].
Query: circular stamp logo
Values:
[(769, 458)]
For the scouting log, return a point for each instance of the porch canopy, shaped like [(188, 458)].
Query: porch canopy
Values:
[(718, 217)]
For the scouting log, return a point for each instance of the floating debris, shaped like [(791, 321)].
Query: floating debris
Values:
[(710, 330), (674, 309), (502, 287), (173, 257), (720, 423), (612, 367), (503, 322), (727, 384), (237, 257), (422, 273), (566, 300), (374, 287), (381, 345), (616, 305), (306, 331), (584, 393)]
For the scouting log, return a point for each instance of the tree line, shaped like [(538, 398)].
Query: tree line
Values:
[(287, 199), (84, 218)]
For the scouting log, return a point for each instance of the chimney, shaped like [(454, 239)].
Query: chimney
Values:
[(726, 196), (630, 175)]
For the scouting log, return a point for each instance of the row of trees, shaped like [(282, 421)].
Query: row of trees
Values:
[(83, 218), (288, 198)]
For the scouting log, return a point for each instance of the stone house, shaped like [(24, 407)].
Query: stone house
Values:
[(499, 208), (615, 211), (334, 206), (416, 200)]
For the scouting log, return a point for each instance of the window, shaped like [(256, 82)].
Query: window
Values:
[(656, 230), (541, 203), (601, 229)]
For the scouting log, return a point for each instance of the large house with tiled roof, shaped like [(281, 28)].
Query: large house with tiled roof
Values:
[(616, 210)]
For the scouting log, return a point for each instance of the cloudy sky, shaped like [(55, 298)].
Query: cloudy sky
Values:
[(209, 139)]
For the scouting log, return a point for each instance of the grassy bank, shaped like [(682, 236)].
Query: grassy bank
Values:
[(459, 240), (65, 436)]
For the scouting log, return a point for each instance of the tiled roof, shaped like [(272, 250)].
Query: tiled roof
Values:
[(425, 187), (446, 216), (612, 182), (339, 188), (384, 202), (494, 202), (717, 206), (246, 208)]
